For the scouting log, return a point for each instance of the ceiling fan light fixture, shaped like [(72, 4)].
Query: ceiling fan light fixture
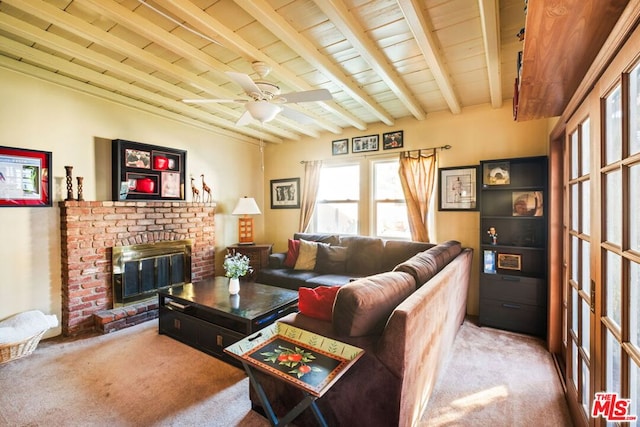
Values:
[(263, 111)]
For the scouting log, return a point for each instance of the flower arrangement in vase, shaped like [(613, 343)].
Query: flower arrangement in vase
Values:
[(235, 266)]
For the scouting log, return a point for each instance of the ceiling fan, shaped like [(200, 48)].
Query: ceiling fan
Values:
[(266, 100)]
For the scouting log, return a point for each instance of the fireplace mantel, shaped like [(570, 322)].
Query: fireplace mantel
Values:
[(90, 229)]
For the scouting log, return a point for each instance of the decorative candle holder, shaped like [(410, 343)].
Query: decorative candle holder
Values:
[(80, 198), (69, 183)]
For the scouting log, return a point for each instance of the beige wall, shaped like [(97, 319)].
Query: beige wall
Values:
[(479, 133), (77, 129)]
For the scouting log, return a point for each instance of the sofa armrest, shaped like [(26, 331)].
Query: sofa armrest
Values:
[(276, 260)]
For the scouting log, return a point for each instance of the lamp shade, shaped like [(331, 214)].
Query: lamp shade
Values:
[(246, 206), (263, 111)]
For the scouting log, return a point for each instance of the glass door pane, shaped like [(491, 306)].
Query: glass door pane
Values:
[(613, 126), (634, 111), (579, 274)]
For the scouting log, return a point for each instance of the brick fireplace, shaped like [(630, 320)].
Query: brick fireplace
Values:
[(89, 231)]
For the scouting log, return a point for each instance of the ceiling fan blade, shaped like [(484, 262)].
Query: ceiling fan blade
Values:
[(297, 116), (211, 101), (307, 96), (244, 81), (244, 119)]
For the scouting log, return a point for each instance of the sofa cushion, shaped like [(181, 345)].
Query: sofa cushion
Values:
[(364, 254), (362, 307), (331, 259), (292, 253), (307, 255), (285, 277), (397, 251), (331, 239), (317, 302), (427, 264)]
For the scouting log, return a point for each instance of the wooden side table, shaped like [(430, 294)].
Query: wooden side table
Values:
[(258, 256)]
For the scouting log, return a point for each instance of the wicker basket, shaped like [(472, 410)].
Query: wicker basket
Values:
[(9, 352)]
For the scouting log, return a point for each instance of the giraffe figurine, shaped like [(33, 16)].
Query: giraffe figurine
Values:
[(195, 193), (205, 189)]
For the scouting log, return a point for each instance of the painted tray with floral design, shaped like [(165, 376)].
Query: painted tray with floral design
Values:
[(307, 360)]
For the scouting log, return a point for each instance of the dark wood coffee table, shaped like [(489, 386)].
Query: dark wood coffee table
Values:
[(204, 315)]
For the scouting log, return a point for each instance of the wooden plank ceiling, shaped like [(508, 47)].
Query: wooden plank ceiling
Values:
[(380, 60)]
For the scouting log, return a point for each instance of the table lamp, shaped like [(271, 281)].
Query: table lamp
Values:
[(246, 206)]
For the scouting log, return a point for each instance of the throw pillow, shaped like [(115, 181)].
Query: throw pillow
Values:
[(307, 255), (317, 302), (331, 259), (292, 253)]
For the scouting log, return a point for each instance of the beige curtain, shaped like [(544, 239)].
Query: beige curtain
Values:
[(309, 193), (417, 175)]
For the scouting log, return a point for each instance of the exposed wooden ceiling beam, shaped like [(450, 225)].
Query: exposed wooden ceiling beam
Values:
[(264, 13), (355, 34), (490, 19), (215, 29), (421, 30)]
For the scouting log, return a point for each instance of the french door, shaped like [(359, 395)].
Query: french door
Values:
[(602, 248)]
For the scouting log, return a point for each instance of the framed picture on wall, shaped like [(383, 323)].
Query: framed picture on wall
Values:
[(285, 193), (361, 144), (393, 140), (458, 188), (340, 146), (25, 177), (150, 172)]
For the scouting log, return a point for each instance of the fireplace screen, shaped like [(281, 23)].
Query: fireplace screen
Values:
[(140, 270)]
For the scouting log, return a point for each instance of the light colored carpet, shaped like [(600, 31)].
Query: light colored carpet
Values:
[(135, 377), (497, 378)]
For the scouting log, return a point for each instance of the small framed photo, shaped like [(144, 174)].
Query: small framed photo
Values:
[(458, 188), (361, 144), (392, 140), (285, 193), (137, 158), (497, 173), (509, 262), (171, 184), (340, 146)]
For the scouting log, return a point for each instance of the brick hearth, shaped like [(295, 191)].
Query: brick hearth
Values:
[(88, 232)]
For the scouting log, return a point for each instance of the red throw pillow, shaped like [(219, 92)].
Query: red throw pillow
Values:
[(317, 302), (292, 253)]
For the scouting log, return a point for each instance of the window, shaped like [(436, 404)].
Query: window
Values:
[(389, 207), (337, 206)]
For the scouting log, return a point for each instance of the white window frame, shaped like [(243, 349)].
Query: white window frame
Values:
[(374, 201), (314, 220)]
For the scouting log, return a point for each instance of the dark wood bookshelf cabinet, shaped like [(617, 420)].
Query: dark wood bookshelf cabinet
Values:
[(513, 243)]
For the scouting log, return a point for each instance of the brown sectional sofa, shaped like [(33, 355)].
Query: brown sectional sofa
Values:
[(406, 321), (364, 256)]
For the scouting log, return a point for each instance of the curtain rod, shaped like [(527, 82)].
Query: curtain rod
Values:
[(443, 147)]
